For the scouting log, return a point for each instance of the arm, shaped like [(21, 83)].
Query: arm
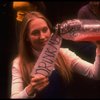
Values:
[(17, 88), (83, 67), (37, 83)]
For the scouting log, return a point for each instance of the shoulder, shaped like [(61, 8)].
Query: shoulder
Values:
[(84, 9), (67, 52), (15, 63)]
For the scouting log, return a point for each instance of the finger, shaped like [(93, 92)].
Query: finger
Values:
[(38, 78), (39, 86), (37, 75), (38, 82), (42, 86)]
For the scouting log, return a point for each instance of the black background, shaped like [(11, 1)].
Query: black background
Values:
[(57, 11)]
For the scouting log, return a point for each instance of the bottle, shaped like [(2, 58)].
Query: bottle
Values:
[(46, 61), (79, 30)]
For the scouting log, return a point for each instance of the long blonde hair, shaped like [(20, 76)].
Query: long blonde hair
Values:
[(25, 51)]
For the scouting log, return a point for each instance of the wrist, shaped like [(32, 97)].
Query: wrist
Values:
[(30, 90), (98, 50)]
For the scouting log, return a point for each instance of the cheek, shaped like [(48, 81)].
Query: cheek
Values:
[(48, 34), (32, 39)]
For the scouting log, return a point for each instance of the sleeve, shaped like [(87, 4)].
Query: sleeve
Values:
[(17, 88), (83, 67)]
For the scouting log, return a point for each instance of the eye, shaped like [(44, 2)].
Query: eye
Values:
[(44, 29), (36, 32)]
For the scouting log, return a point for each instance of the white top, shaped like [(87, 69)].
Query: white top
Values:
[(80, 66)]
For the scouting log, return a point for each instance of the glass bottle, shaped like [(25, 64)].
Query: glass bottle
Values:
[(79, 30)]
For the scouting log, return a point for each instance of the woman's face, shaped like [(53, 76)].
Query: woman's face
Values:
[(38, 33)]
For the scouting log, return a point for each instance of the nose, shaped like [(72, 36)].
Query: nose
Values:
[(42, 35)]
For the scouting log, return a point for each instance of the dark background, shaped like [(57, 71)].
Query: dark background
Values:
[(56, 11)]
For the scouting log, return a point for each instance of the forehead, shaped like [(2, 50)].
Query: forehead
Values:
[(38, 22)]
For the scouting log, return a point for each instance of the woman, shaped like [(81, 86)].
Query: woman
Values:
[(35, 32)]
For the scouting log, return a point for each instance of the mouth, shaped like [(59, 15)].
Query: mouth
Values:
[(43, 43)]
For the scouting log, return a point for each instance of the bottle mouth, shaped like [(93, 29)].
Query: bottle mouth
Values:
[(68, 26)]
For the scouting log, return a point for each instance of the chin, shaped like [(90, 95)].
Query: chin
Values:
[(41, 48)]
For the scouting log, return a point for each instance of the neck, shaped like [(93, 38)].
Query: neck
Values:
[(36, 53)]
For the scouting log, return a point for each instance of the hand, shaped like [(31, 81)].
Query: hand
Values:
[(38, 82)]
